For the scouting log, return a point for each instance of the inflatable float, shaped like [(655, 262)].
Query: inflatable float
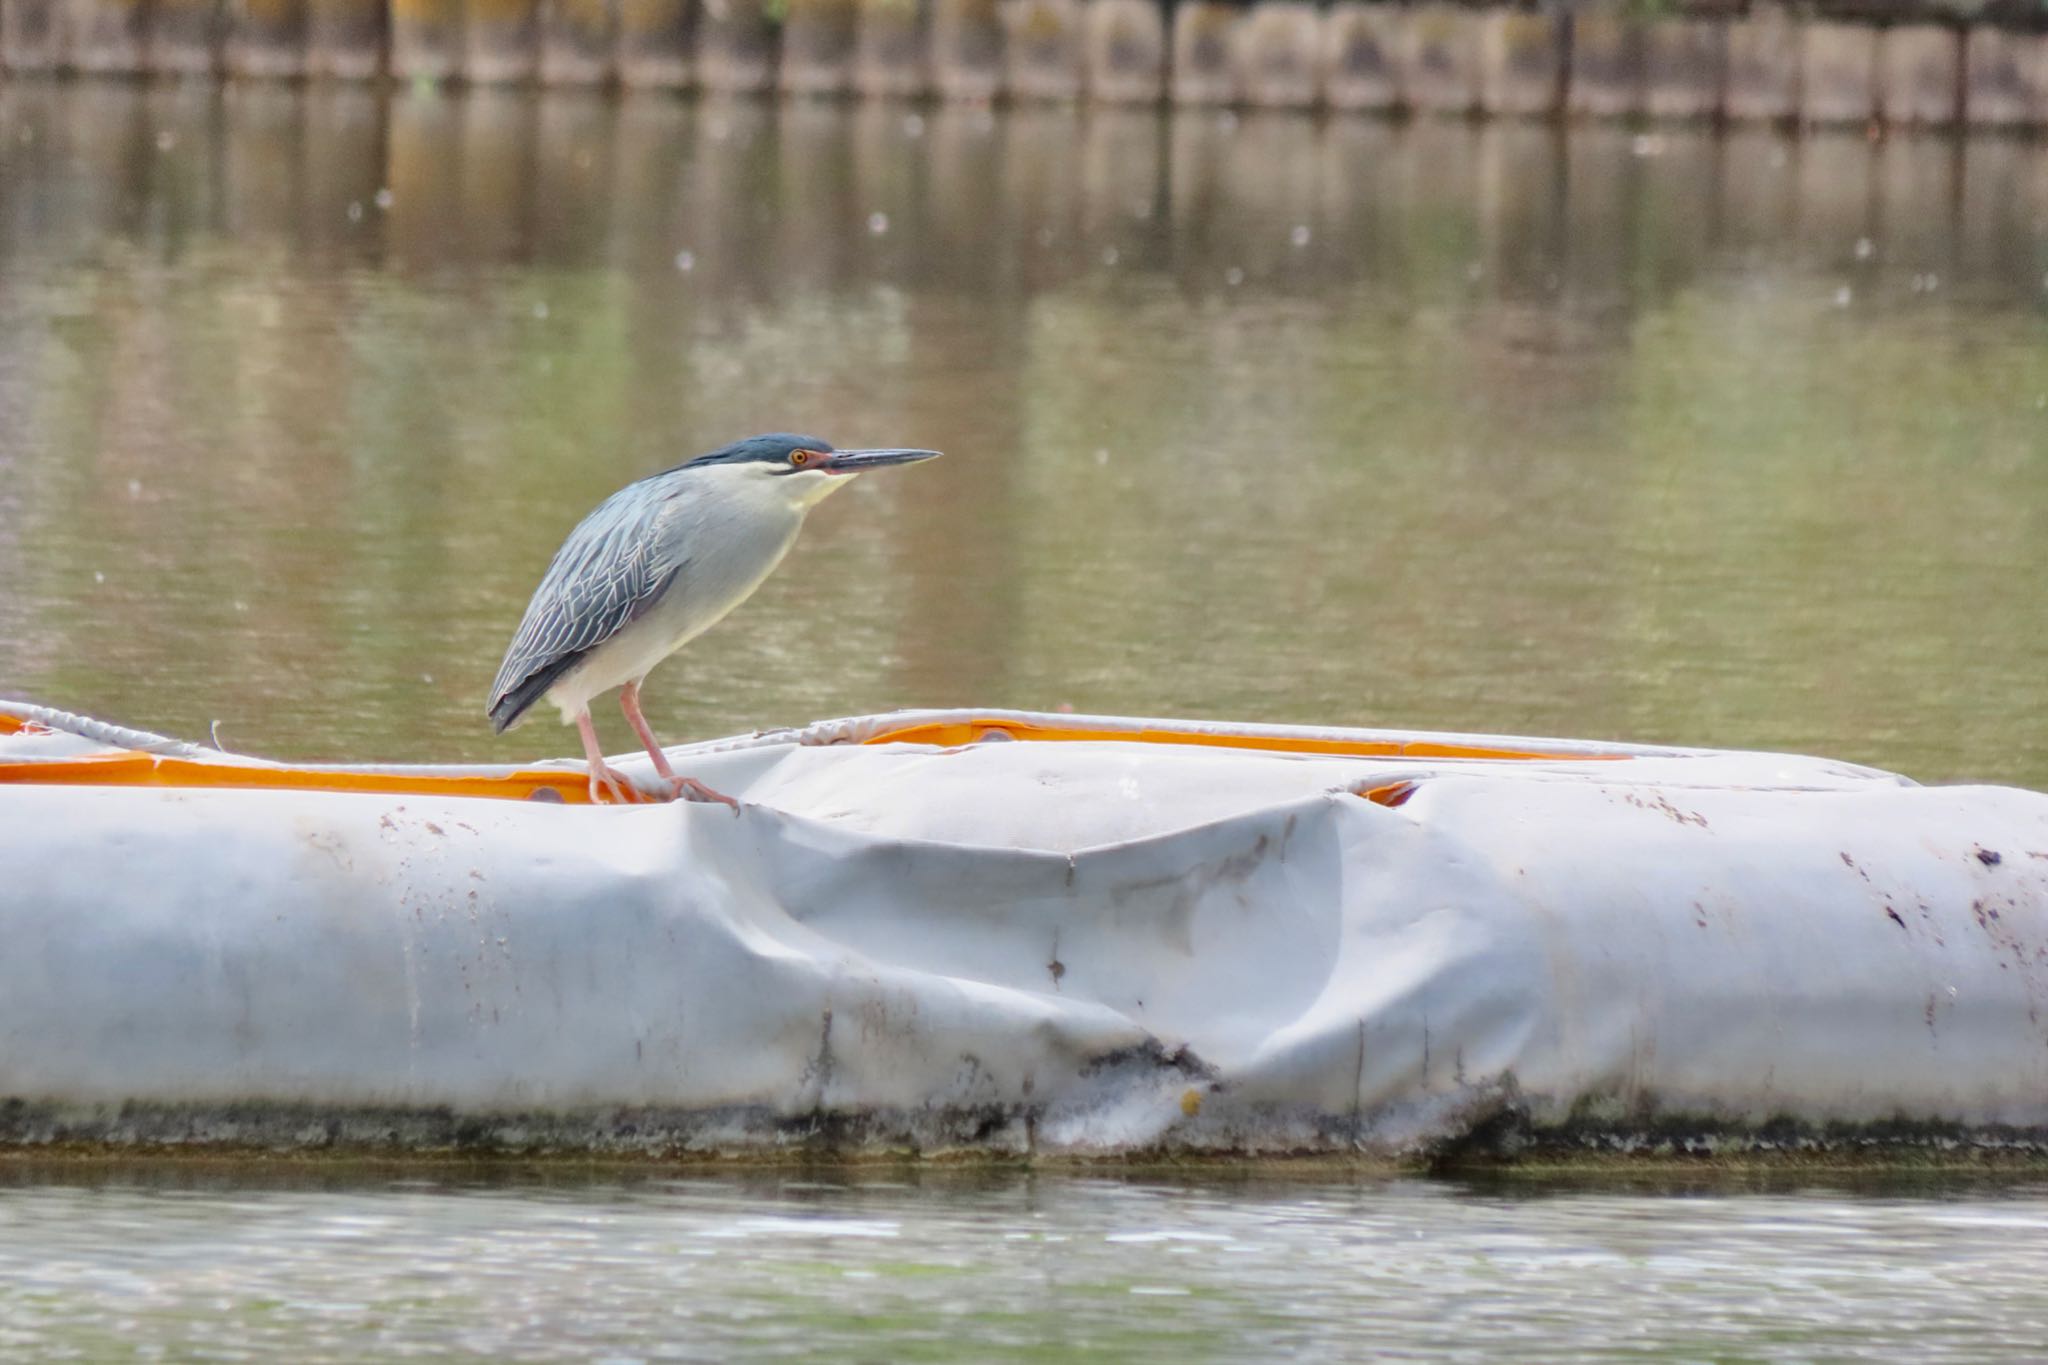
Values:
[(1018, 933)]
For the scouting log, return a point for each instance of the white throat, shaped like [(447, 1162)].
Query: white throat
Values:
[(807, 490)]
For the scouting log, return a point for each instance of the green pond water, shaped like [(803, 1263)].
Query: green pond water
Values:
[(1723, 439), (1012, 1267), (1729, 440)]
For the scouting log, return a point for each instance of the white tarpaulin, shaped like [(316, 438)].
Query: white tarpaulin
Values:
[(1104, 943)]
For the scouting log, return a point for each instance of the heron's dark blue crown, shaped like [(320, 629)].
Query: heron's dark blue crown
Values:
[(772, 448)]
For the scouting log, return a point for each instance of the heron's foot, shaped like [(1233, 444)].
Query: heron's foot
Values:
[(690, 789), (615, 785)]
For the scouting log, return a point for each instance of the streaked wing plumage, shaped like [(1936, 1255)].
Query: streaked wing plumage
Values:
[(612, 567)]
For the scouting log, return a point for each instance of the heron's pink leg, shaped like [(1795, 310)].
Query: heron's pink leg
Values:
[(602, 774), (629, 702)]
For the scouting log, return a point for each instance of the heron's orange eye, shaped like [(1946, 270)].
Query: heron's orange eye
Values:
[(799, 458)]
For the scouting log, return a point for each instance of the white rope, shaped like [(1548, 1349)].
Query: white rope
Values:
[(100, 731)]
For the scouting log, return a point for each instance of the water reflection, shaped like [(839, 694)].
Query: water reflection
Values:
[(1720, 439)]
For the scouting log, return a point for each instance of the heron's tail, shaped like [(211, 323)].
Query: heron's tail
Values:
[(514, 701)]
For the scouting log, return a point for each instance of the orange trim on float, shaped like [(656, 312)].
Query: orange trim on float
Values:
[(133, 768), (953, 734), (129, 768)]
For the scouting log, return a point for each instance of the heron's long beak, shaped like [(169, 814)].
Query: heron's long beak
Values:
[(855, 461)]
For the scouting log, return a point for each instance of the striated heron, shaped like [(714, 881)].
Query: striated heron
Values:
[(657, 564)]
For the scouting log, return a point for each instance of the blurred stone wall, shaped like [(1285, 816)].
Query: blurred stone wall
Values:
[(1913, 62)]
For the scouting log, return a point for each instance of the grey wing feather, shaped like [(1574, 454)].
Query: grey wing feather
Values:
[(613, 566)]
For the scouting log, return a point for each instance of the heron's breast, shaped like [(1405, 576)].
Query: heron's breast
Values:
[(727, 541), (722, 565)]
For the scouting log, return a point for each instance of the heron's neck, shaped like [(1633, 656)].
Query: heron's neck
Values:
[(809, 490), (749, 485)]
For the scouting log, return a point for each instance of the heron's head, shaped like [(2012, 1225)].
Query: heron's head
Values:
[(804, 468)]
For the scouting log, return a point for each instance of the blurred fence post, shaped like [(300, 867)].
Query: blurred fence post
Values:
[(1838, 73), (1762, 60), (1041, 48), (1440, 68), (345, 38), (579, 41), (31, 34), (1276, 49), (967, 49), (1362, 55), (1201, 52), (1522, 62), (105, 36), (1685, 68), (426, 39), (736, 46), (1126, 50), (657, 42), (1607, 62), (501, 40), (184, 37), (2005, 76), (818, 38), (891, 48), (267, 38), (1923, 75)]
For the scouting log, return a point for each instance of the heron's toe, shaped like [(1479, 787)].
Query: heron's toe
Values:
[(614, 784), (690, 789)]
